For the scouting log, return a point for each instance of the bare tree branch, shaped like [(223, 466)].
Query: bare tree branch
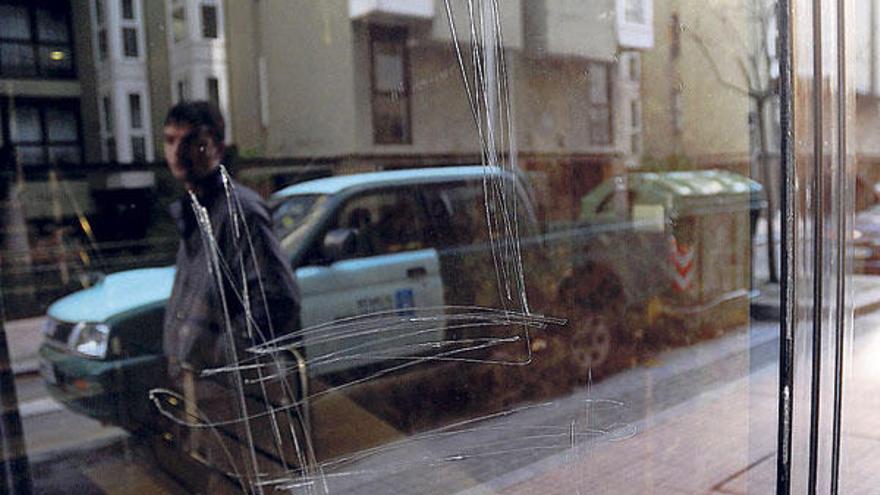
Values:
[(704, 49)]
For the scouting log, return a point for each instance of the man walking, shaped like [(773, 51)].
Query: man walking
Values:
[(233, 287)]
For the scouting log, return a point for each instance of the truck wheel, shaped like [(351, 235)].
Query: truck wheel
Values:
[(594, 303), (591, 342)]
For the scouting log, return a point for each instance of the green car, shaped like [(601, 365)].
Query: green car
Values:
[(100, 341)]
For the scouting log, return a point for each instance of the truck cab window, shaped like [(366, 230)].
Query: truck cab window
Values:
[(459, 215), (384, 223)]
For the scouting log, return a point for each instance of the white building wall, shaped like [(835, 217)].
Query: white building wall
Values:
[(119, 76)]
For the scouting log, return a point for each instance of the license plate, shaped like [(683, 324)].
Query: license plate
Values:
[(48, 372)]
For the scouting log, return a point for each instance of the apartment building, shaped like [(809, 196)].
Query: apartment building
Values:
[(377, 84), (150, 55), (348, 84), (45, 82)]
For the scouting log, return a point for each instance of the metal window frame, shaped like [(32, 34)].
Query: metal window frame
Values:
[(828, 167)]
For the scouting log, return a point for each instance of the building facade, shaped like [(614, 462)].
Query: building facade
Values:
[(366, 85), (349, 85)]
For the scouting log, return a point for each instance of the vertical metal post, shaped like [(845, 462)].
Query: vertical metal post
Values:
[(787, 292), (818, 220), (841, 238)]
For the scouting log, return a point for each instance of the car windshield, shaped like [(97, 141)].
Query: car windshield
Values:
[(292, 214)]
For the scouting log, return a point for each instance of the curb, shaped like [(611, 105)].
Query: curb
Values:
[(27, 367)]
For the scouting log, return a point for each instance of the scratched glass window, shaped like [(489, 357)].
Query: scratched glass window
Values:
[(436, 246)]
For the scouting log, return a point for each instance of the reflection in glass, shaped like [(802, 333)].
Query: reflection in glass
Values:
[(52, 26), (15, 22), (529, 239)]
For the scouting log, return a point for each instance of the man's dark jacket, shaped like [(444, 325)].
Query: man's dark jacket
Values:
[(253, 272)]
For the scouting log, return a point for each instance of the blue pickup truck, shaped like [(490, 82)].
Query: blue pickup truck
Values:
[(406, 242)]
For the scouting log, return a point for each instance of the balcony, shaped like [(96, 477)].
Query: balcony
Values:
[(570, 28), (635, 24), (391, 11)]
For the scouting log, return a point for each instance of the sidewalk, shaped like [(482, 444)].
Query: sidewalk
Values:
[(724, 440), (24, 338), (864, 292)]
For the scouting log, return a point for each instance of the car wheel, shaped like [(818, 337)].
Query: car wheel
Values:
[(593, 305), (591, 343)]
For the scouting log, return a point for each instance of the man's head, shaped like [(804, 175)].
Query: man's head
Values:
[(194, 133)]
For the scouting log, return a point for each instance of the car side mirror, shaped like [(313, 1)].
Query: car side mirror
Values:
[(339, 244)]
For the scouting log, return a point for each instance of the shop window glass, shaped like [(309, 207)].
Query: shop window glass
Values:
[(17, 59), (35, 41), (52, 26), (15, 22), (61, 125), (27, 124)]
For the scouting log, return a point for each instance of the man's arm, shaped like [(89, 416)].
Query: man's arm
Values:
[(261, 277)]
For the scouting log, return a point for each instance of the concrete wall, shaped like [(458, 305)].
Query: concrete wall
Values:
[(714, 115), (553, 106), (243, 49), (88, 105), (511, 21), (319, 88), (571, 28), (311, 73), (161, 99)]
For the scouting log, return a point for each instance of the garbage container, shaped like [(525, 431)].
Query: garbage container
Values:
[(708, 218)]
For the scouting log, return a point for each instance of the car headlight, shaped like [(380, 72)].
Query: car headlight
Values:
[(90, 339)]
